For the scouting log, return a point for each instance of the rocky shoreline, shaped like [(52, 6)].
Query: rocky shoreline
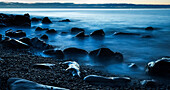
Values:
[(18, 61)]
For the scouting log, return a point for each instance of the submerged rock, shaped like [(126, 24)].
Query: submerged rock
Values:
[(41, 29), (149, 28), (37, 43), (76, 30), (133, 65), (159, 67), (66, 20), (51, 31), (44, 36), (18, 33), (107, 81), (34, 19), (105, 54), (46, 20), (73, 67), (146, 36), (43, 65), (81, 34), (23, 84), (98, 33), (123, 33), (72, 51), (148, 83), (57, 53)]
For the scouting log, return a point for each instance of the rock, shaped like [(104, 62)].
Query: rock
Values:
[(73, 67), (159, 67), (105, 54), (66, 20), (46, 20), (146, 36), (43, 65), (148, 83), (51, 31), (149, 28), (73, 51), (41, 29), (133, 65), (18, 33), (57, 53), (64, 32), (23, 84), (107, 81), (0, 37), (13, 43), (27, 15), (98, 33), (123, 33), (34, 19), (76, 30), (2, 25), (20, 20), (44, 36), (81, 34), (26, 40)]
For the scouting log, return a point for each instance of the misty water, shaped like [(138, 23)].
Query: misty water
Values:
[(134, 48)]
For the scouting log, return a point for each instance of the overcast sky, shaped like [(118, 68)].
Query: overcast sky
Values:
[(95, 1)]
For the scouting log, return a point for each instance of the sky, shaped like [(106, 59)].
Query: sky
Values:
[(94, 1)]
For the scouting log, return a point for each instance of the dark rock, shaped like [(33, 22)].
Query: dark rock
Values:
[(57, 53), (80, 34), (34, 19), (43, 65), (73, 67), (0, 37), (149, 83), (23, 84), (41, 29), (51, 31), (36, 42), (123, 33), (27, 15), (77, 30), (2, 25), (149, 28), (13, 43), (18, 33), (133, 65), (105, 54), (66, 20), (98, 33), (20, 20), (146, 36), (107, 81), (26, 40), (46, 20), (159, 67), (72, 51), (44, 36)]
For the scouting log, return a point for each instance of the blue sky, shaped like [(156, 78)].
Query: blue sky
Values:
[(95, 1)]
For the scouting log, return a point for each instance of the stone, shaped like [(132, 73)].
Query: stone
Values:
[(18, 33), (73, 50), (13, 43), (34, 19), (26, 40), (20, 20), (57, 53), (51, 31), (81, 34), (149, 28), (98, 33), (66, 20), (46, 20), (41, 29), (44, 36), (76, 30), (23, 84), (133, 65), (43, 65), (148, 83)]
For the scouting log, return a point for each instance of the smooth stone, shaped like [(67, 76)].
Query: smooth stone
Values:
[(13, 43), (46, 20), (98, 33), (107, 81), (159, 67), (66, 20), (18, 33), (23, 84), (41, 29), (73, 67), (149, 83), (43, 65), (73, 50), (123, 33), (34, 19), (51, 31), (149, 28), (20, 20), (76, 30), (133, 65), (44, 36), (27, 15), (26, 40)]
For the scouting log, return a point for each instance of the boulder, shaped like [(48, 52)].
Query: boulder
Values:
[(18, 33), (46, 20), (76, 30), (26, 40), (81, 34), (98, 33), (133, 65), (51, 31), (66, 20), (149, 28), (44, 36), (43, 65), (20, 20), (57, 53), (107, 81), (34, 19), (159, 67), (148, 83), (73, 51), (105, 54), (123, 33), (73, 67), (41, 29), (23, 84), (36, 42), (13, 43)]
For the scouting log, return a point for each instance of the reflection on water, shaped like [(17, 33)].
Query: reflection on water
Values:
[(134, 48)]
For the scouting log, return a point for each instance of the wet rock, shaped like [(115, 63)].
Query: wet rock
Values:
[(98, 33), (123, 33), (77, 30), (44, 36), (13, 43), (57, 53), (26, 40), (146, 36), (133, 65), (23, 84), (148, 83), (46, 20), (81, 34), (34, 19), (41, 29), (43, 65), (18, 33), (159, 67), (149, 28), (51, 31), (72, 51), (107, 81), (73, 67), (20, 20), (66, 20), (0, 37), (27, 15), (105, 54)]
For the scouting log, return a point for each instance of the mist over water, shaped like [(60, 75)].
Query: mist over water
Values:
[(134, 48)]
